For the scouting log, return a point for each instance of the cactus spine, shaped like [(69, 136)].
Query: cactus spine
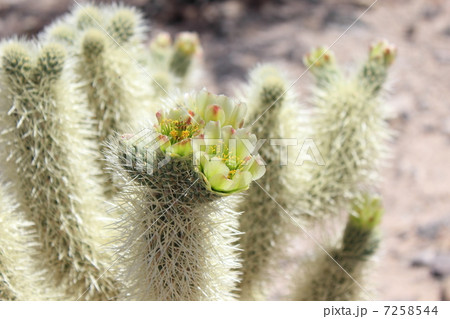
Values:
[(350, 130), (51, 163), (322, 279), (19, 278), (181, 239), (262, 224)]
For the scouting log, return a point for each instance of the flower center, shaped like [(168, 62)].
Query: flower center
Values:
[(178, 130), (233, 162)]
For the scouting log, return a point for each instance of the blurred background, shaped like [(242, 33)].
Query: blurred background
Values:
[(414, 261)]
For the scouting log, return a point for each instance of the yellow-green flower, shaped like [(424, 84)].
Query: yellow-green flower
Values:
[(187, 121), (214, 123), (367, 212), (228, 166)]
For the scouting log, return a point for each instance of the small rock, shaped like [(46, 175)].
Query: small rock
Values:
[(423, 259), (403, 234), (402, 106), (430, 231), (410, 32), (404, 115), (430, 12), (429, 128), (440, 266)]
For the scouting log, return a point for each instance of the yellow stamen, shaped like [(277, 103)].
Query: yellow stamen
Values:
[(184, 134)]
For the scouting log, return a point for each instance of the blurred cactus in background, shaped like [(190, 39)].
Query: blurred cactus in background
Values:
[(105, 44), (337, 275), (348, 123), (263, 226), (196, 203)]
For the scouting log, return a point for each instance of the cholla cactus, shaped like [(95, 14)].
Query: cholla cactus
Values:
[(322, 279), (174, 65), (19, 278), (107, 43), (322, 64), (52, 166), (263, 224), (350, 131), (374, 72), (185, 46), (160, 50), (179, 226)]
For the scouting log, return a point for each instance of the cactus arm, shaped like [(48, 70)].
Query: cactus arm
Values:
[(52, 159), (350, 131), (322, 64), (262, 225), (322, 280)]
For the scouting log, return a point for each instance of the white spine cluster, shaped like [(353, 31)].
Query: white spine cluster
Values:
[(51, 158), (178, 236)]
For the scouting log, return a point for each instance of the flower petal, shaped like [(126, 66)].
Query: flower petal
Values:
[(236, 119), (220, 183), (182, 148), (212, 130), (215, 166), (214, 112), (257, 168), (241, 181)]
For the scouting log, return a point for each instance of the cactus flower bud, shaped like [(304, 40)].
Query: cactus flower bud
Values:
[(383, 52), (187, 43), (322, 64), (186, 46), (163, 40), (367, 212), (319, 58)]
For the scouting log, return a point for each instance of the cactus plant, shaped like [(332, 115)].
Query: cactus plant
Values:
[(174, 66), (322, 64), (177, 187), (179, 226), (46, 140), (106, 43), (350, 130), (185, 46), (332, 277), (263, 226)]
